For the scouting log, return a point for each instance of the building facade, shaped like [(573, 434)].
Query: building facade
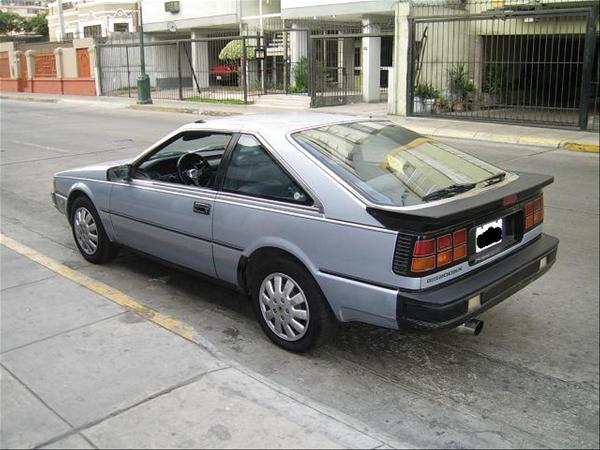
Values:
[(91, 18), (25, 8)]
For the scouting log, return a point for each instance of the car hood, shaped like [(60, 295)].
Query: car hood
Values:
[(94, 171)]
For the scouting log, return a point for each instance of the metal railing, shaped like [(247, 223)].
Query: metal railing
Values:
[(530, 66)]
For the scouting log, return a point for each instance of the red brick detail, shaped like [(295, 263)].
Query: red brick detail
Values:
[(4, 65), (45, 65), (79, 86), (10, 85)]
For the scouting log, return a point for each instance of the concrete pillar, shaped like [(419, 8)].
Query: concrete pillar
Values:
[(30, 59), (399, 76), (200, 62), (298, 49), (15, 67), (371, 62), (95, 69), (58, 58)]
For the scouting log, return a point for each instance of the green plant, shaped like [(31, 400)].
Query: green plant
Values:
[(10, 22), (492, 80), (37, 24), (300, 74), (224, 101), (442, 104), (234, 51), (426, 90), (459, 84), (300, 71)]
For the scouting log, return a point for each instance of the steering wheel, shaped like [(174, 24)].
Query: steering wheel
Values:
[(193, 168)]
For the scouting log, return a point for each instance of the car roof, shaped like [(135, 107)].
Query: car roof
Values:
[(270, 123)]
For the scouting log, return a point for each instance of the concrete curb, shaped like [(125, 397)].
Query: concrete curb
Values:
[(581, 147), (29, 99), (175, 109), (575, 146)]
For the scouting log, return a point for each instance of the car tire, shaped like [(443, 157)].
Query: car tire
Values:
[(89, 234), (320, 322)]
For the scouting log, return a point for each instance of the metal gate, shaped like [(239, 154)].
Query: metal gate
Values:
[(336, 67), (530, 66), (213, 69)]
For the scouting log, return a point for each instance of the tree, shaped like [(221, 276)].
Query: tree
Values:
[(10, 22), (36, 24), (233, 51)]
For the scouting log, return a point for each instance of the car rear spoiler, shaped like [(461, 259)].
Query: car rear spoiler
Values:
[(462, 209)]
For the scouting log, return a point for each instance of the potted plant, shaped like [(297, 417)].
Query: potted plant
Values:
[(460, 86), (492, 85), (425, 95)]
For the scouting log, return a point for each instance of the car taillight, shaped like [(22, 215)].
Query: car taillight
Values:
[(440, 251), (534, 212)]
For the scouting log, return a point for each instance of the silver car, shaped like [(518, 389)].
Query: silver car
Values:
[(320, 218)]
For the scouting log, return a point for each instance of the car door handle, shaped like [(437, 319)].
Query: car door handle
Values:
[(201, 208)]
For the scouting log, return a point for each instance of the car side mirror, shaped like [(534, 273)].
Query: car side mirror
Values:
[(118, 173)]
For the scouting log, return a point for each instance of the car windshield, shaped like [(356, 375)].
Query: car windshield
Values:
[(394, 166)]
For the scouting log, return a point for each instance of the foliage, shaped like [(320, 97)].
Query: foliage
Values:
[(459, 83), (234, 50), (300, 73), (36, 24), (224, 101), (10, 22), (426, 90), (14, 23)]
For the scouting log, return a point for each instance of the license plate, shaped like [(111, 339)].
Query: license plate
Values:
[(489, 235)]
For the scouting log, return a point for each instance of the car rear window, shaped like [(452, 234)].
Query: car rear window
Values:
[(392, 165)]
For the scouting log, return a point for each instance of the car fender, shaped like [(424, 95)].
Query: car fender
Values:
[(100, 202), (285, 245)]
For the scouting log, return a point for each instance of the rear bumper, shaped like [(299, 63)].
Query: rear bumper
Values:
[(447, 306)]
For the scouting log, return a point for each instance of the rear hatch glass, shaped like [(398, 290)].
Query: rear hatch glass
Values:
[(393, 166)]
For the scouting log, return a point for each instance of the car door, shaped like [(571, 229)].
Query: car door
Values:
[(255, 189), (164, 218)]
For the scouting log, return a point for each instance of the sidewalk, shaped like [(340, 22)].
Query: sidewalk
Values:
[(575, 140), (86, 366)]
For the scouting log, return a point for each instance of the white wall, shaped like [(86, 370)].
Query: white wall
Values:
[(308, 8), (154, 11)]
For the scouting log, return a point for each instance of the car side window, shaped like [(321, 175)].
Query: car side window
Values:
[(252, 171), (203, 151)]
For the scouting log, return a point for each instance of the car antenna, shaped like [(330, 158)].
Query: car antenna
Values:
[(200, 121)]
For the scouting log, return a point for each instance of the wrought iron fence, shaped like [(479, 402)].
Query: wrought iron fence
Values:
[(493, 62), (217, 69)]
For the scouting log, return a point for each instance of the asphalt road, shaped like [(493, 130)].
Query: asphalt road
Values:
[(529, 380)]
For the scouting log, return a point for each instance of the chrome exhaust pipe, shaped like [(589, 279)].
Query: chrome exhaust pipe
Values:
[(472, 327)]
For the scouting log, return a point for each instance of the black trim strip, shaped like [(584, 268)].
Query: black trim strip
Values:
[(227, 245), (357, 279), (173, 230)]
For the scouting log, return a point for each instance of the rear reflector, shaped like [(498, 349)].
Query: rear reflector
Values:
[(444, 258), (451, 247), (444, 242), (460, 237), (423, 264), (460, 252), (534, 212), (423, 248)]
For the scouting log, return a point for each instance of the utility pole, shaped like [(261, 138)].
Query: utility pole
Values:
[(143, 81), (61, 20)]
